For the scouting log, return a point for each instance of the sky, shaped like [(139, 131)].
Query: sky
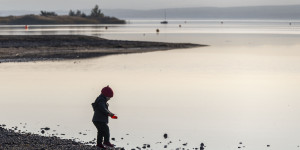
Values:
[(131, 4)]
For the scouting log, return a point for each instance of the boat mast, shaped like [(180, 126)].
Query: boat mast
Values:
[(165, 15)]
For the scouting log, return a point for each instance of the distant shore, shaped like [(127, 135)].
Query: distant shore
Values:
[(55, 20), (24, 48), (51, 18)]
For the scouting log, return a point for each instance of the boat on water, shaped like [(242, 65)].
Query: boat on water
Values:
[(165, 21)]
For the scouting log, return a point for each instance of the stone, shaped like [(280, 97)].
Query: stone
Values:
[(165, 135)]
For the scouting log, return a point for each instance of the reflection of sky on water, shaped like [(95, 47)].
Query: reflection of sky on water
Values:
[(149, 27), (51, 29), (242, 88)]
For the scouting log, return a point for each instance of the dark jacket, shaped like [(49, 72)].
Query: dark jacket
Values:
[(101, 111)]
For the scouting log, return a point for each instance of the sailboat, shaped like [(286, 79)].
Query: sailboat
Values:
[(165, 21)]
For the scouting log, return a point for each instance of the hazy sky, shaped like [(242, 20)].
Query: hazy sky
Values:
[(131, 4)]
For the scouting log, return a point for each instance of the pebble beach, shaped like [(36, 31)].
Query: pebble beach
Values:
[(14, 139), (11, 140)]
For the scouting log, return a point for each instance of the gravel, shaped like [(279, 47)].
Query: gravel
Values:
[(11, 140)]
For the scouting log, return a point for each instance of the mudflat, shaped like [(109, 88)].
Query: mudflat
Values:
[(16, 48)]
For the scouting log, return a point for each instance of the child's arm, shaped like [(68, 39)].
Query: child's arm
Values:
[(103, 109)]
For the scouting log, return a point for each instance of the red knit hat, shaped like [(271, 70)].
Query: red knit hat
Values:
[(107, 91)]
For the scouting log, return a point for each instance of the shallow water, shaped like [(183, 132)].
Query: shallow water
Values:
[(242, 88)]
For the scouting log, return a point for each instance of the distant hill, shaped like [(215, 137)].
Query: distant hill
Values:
[(251, 12)]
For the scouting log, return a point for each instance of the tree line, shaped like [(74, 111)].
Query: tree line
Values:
[(95, 12)]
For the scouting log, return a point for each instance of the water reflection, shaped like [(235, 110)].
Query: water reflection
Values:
[(245, 90), (52, 29), (149, 27)]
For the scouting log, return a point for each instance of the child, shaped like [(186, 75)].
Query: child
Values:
[(100, 118)]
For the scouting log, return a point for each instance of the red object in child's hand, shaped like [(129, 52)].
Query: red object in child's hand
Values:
[(114, 117)]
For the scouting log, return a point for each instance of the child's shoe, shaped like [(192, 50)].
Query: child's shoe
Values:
[(100, 146), (108, 145)]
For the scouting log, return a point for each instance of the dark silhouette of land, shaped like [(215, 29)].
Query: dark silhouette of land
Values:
[(14, 48), (74, 17)]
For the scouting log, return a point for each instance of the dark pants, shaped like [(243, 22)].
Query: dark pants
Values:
[(103, 132)]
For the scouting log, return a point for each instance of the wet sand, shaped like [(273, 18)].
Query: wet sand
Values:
[(17, 48)]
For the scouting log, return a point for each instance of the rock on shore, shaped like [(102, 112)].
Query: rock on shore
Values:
[(17, 141), (39, 47)]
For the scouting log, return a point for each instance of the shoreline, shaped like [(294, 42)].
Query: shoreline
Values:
[(25, 48), (16, 139), (10, 139)]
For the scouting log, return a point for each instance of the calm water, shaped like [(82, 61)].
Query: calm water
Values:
[(242, 88)]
